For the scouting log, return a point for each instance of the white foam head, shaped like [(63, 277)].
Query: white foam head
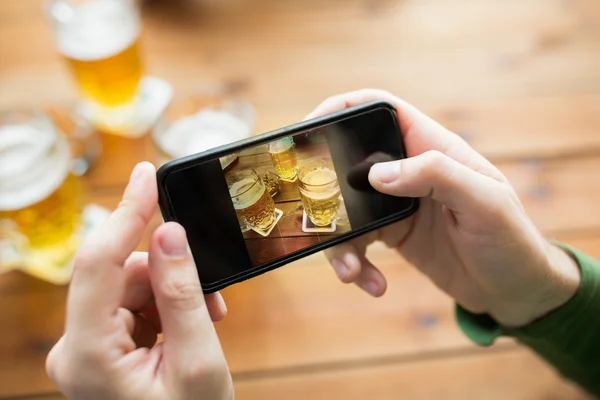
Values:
[(96, 29), (33, 165), (204, 130), (281, 145)]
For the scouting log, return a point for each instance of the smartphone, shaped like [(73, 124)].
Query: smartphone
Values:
[(257, 204)]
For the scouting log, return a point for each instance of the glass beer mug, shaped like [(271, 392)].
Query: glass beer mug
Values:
[(319, 190), (99, 39), (40, 199)]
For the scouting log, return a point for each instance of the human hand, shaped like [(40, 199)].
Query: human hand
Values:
[(119, 300), (470, 236)]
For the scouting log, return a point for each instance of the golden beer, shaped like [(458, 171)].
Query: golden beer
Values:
[(319, 191), (40, 203), (283, 156), (110, 81), (99, 40), (251, 200)]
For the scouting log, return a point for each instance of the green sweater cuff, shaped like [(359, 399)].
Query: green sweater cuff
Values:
[(484, 330), (567, 338)]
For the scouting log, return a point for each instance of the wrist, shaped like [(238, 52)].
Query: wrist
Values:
[(558, 282)]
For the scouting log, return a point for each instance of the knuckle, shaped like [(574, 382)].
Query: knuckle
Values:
[(435, 164), (182, 294), (85, 258), (500, 196)]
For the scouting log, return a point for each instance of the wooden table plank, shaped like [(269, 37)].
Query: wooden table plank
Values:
[(482, 375), (559, 195), (485, 374)]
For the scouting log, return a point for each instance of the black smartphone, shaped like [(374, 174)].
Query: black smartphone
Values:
[(257, 204)]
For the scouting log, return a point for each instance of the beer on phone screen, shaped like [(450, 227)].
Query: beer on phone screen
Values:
[(319, 190), (283, 156), (251, 199)]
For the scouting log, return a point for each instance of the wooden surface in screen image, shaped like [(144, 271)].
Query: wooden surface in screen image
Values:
[(518, 79)]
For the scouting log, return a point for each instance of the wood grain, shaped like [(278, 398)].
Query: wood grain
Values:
[(481, 375), (518, 79)]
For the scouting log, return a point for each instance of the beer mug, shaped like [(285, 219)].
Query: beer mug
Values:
[(251, 200), (283, 156), (40, 198), (99, 40), (319, 190)]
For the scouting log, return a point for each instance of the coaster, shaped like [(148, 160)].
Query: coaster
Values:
[(133, 120), (93, 217), (308, 226), (278, 215)]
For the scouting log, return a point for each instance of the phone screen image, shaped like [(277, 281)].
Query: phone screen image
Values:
[(286, 196), (259, 205)]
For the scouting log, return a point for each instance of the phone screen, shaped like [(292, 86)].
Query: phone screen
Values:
[(266, 202)]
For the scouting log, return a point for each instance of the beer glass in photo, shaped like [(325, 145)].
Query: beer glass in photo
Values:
[(251, 199), (40, 199), (99, 39), (283, 156), (319, 190)]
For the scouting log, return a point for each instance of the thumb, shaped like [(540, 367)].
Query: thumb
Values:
[(190, 338), (434, 174)]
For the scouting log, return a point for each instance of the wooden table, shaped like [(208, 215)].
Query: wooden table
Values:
[(519, 79)]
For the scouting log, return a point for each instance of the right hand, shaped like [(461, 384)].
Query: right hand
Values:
[(470, 236)]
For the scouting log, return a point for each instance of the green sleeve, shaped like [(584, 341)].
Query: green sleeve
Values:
[(568, 338)]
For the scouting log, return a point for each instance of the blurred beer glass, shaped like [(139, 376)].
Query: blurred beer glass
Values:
[(99, 39), (251, 199), (283, 156), (319, 190), (207, 118), (40, 198)]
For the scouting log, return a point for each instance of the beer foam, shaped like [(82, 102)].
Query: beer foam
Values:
[(281, 145), (204, 130), (33, 165), (247, 198), (96, 30)]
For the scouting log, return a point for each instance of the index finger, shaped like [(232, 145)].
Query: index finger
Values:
[(98, 281)]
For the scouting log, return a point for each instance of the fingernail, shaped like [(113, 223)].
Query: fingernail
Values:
[(309, 116), (174, 242), (221, 302), (136, 173), (371, 287), (341, 269), (385, 172)]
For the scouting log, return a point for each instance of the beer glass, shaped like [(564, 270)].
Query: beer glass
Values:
[(40, 198), (283, 156), (200, 120), (99, 40), (319, 190), (251, 199)]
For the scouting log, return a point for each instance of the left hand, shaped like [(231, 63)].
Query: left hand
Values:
[(116, 296)]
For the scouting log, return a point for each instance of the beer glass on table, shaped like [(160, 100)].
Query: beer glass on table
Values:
[(99, 39), (40, 199), (251, 199), (319, 190), (283, 156), (200, 120)]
